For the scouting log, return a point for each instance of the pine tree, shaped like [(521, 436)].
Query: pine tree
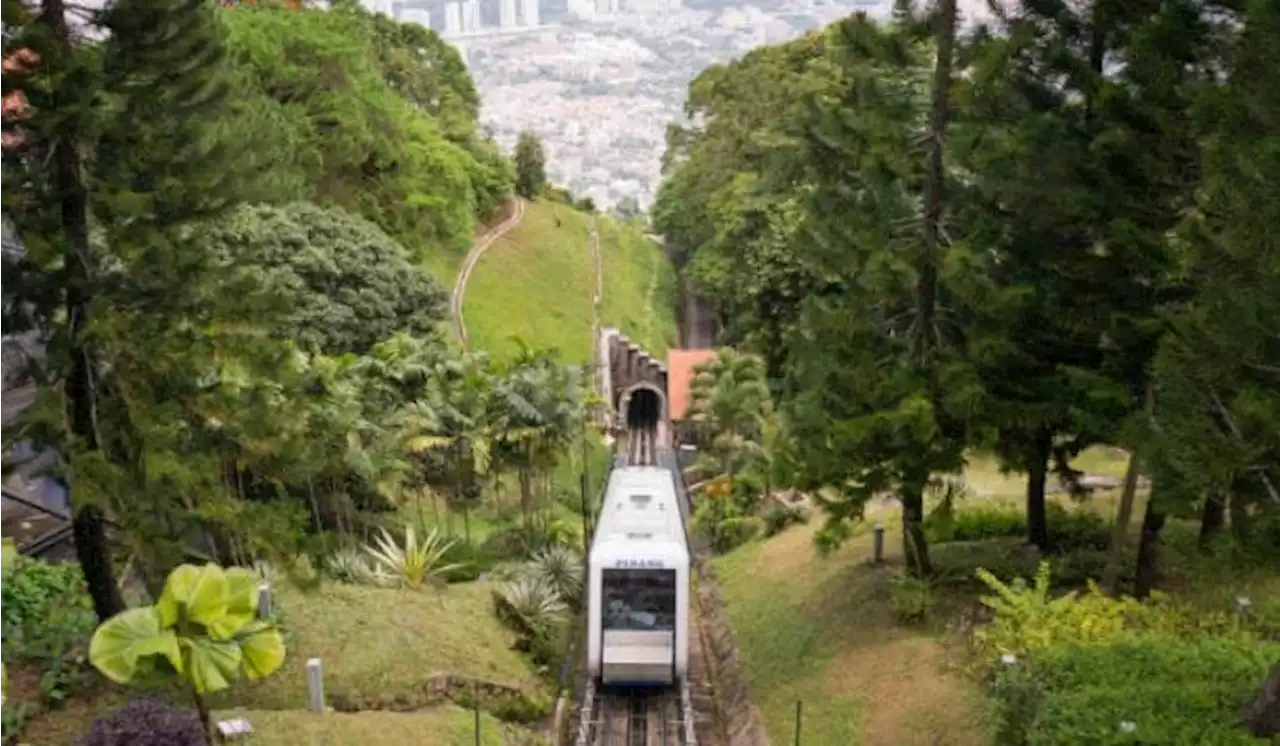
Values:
[(122, 158), (531, 165)]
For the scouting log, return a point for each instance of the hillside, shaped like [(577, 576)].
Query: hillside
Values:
[(535, 284)]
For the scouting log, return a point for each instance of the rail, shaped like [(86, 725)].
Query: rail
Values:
[(637, 717)]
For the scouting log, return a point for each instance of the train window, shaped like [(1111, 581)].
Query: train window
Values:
[(639, 599)]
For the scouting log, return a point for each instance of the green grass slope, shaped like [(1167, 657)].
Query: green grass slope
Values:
[(378, 642), (536, 282), (639, 287)]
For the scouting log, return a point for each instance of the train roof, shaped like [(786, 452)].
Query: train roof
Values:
[(640, 516)]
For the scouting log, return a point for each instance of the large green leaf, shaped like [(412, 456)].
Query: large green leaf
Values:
[(202, 591), (242, 604), (262, 650), (126, 638), (211, 664)]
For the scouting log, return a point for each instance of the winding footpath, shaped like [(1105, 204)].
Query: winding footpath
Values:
[(469, 263)]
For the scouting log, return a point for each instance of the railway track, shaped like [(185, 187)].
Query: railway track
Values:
[(636, 717), (642, 446)]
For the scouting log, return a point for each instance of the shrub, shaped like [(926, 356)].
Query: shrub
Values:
[(528, 605), (1164, 689), (467, 561), (349, 566), (910, 598), (779, 517), (724, 524), (1068, 529), (146, 722), (1029, 620), (415, 562), (48, 618), (560, 568), (975, 524)]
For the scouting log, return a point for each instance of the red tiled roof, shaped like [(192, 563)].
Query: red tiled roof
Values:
[(680, 365)]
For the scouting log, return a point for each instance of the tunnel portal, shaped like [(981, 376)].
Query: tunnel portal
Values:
[(643, 407)]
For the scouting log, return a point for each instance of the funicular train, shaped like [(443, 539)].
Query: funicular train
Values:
[(638, 582)]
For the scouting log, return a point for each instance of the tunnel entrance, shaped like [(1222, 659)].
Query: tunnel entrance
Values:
[(642, 408)]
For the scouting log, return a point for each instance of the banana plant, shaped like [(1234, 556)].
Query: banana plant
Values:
[(204, 629)]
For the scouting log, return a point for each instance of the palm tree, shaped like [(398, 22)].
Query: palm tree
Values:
[(730, 405)]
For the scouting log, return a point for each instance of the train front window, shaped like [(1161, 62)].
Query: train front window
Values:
[(639, 599)]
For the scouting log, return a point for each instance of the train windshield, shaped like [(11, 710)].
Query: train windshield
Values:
[(639, 599)]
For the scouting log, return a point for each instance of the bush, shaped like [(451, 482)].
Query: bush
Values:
[(1029, 620), (561, 569), (1142, 689), (1068, 530), (146, 722), (528, 605), (779, 517), (48, 618), (910, 598), (724, 524), (468, 561)]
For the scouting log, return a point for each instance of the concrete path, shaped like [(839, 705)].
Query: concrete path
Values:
[(468, 264)]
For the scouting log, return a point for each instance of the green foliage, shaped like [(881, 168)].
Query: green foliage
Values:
[(778, 517), (1068, 530), (724, 523), (1138, 689), (530, 605), (531, 165), (202, 628), (412, 564), (339, 90), (561, 568), (910, 598), (47, 620), (345, 284)]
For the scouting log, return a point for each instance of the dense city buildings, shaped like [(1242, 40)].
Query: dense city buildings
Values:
[(600, 80)]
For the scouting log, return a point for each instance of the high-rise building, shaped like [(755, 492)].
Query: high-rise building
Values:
[(530, 12), (506, 13), (453, 19), (471, 16)]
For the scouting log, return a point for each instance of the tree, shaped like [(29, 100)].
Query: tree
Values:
[(531, 164), (348, 285), (729, 405)]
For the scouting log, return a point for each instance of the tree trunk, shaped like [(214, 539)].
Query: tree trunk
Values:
[(1213, 517), (526, 498), (1148, 550), (915, 545), (202, 708), (1241, 521), (89, 521), (1262, 715), (1037, 476), (1120, 531)]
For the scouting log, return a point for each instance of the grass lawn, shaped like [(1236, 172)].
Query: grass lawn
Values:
[(442, 726), (820, 630), (639, 287), (373, 642), (535, 283), (376, 641)]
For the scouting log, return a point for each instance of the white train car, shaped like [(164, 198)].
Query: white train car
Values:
[(638, 582)]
